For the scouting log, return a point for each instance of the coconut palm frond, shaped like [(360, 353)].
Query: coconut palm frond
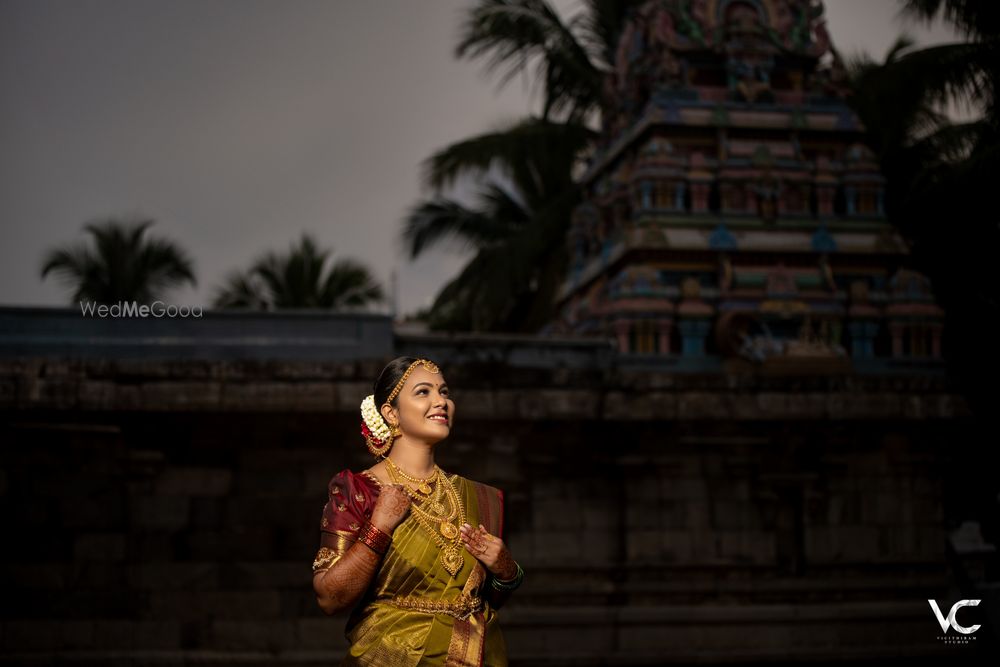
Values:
[(302, 277), (120, 263), (511, 34), (536, 155)]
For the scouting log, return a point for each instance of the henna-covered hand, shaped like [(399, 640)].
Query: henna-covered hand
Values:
[(490, 550), (391, 508), (341, 586)]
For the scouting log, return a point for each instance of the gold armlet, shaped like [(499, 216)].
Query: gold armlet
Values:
[(325, 558)]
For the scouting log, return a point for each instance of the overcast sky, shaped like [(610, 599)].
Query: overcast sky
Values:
[(240, 124)]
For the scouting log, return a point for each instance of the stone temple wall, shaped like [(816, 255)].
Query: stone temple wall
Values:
[(166, 511)]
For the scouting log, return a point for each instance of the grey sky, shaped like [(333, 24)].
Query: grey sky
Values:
[(240, 124)]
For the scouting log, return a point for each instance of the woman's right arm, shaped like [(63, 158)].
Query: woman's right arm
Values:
[(341, 585)]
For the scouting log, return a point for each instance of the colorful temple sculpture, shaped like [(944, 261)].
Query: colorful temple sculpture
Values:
[(732, 212)]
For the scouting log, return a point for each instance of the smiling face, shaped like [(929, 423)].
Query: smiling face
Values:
[(424, 410)]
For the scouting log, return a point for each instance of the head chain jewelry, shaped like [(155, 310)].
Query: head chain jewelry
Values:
[(377, 433), (426, 363)]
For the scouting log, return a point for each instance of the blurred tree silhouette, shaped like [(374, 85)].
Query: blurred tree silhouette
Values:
[(942, 174), (122, 263), (941, 195), (300, 278), (518, 223)]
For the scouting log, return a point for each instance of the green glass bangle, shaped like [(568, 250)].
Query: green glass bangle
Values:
[(509, 584)]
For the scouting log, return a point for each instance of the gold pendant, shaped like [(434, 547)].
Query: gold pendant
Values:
[(437, 508), (424, 488), (448, 530), (452, 560)]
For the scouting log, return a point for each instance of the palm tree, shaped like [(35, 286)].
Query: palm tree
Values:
[(300, 278), (122, 263), (902, 102), (518, 224), (941, 174), (955, 202), (571, 58), (941, 194), (970, 68)]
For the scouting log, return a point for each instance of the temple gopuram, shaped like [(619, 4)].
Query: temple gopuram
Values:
[(732, 213)]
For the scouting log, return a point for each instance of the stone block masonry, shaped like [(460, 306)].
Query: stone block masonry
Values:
[(170, 510)]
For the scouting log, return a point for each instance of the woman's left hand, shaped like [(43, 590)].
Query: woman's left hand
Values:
[(490, 550)]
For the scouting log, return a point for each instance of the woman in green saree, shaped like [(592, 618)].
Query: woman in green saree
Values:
[(415, 551)]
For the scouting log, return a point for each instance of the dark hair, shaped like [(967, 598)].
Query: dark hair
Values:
[(388, 378)]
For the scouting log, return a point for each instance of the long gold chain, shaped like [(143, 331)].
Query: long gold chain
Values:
[(446, 536), (437, 513)]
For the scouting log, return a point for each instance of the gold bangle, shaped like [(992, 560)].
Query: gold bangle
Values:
[(374, 538)]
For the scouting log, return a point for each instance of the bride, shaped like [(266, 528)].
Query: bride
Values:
[(413, 551)]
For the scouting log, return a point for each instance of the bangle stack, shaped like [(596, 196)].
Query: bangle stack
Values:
[(374, 538), (508, 585)]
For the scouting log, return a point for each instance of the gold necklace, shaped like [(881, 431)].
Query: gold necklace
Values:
[(423, 485), (437, 512), (451, 552)]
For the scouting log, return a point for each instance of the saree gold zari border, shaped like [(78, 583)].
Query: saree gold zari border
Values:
[(461, 607)]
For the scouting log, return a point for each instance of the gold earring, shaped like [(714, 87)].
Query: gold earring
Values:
[(378, 451)]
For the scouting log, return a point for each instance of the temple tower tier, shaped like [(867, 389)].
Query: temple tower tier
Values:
[(732, 211)]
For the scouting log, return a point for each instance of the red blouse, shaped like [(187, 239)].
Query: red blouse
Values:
[(350, 501)]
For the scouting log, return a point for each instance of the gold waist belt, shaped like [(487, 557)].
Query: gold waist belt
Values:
[(461, 607)]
